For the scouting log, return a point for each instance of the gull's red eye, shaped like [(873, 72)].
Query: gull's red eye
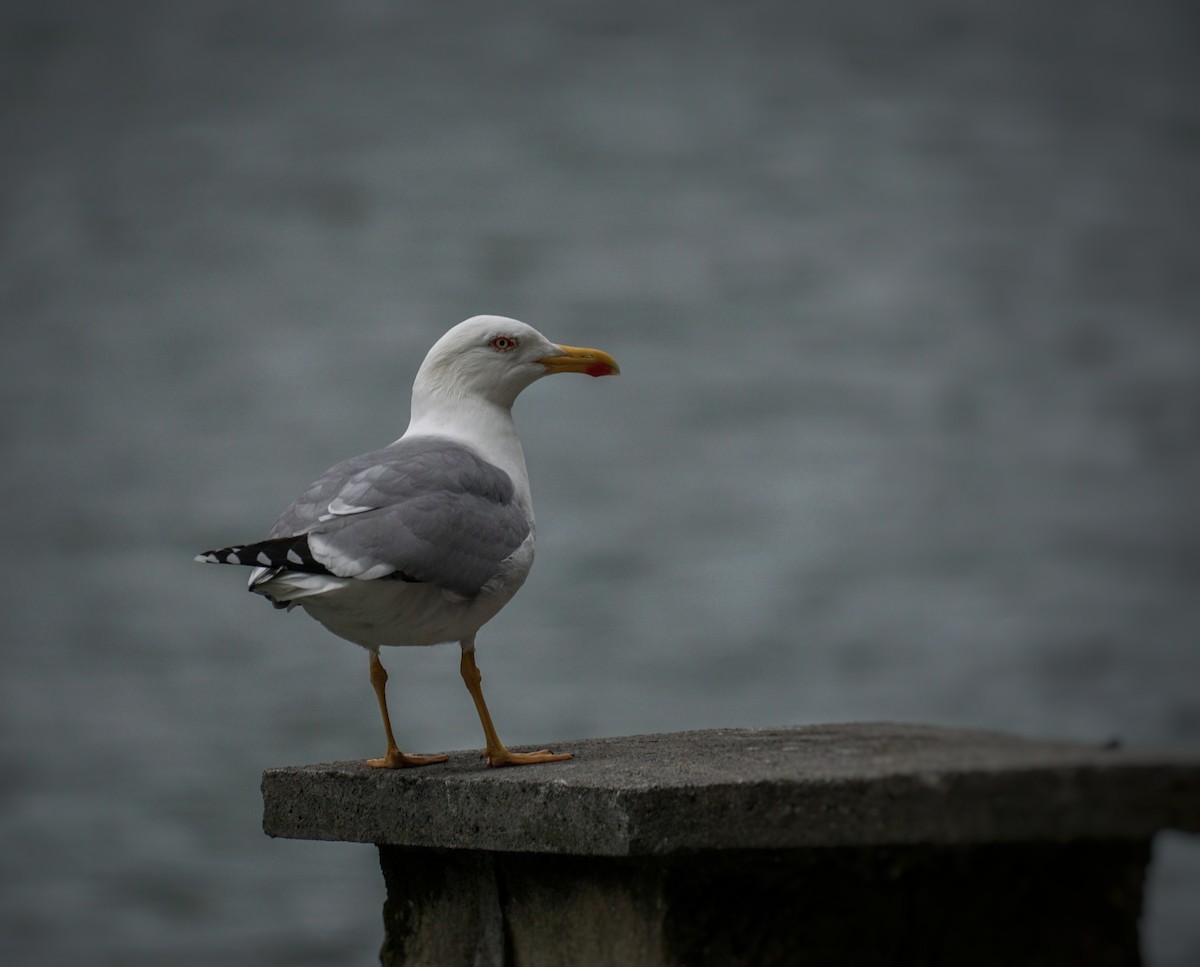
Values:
[(504, 344)]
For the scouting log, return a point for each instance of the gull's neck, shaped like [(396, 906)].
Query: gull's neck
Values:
[(485, 427)]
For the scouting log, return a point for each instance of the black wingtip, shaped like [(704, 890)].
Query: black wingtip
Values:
[(279, 553), (224, 555)]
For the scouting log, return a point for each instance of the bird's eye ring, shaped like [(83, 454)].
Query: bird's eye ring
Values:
[(504, 344)]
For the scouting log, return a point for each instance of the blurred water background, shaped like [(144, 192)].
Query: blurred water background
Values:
[(906, 301)]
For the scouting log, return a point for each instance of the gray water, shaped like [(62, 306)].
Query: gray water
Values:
[(906, 302)]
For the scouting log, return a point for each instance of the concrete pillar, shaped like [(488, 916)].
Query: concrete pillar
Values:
[(823, 845)]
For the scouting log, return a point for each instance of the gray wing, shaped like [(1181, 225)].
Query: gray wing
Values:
[(428, 508)]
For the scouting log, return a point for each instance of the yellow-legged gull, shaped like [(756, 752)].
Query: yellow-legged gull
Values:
[(425, 540)]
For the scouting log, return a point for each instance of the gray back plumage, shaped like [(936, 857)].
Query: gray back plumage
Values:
[(428, 508)]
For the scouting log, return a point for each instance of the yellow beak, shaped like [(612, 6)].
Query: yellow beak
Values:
[(594, 362)]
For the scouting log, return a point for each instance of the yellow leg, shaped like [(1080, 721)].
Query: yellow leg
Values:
[(393, 758), (496, 754)]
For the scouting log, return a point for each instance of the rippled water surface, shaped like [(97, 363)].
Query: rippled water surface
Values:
[(906, 306)]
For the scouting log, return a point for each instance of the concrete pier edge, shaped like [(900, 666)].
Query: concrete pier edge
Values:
[(875, 842)]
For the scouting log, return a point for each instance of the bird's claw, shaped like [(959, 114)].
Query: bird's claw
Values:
[(395, 759), (505, 758)]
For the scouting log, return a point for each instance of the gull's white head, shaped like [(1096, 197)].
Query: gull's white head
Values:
[(493, 358)]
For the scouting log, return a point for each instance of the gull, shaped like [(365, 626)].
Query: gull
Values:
[(425, 540)]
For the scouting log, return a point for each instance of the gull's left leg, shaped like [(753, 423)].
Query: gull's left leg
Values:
[(393, 758), (496, 754)]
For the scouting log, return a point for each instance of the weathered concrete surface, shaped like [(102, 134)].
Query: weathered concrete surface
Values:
[(837, 844), (786, 788)]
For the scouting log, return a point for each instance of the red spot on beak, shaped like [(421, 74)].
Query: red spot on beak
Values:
[(599, 369)]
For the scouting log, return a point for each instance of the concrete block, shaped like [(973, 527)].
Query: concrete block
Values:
[(786, 788), (896, 844)]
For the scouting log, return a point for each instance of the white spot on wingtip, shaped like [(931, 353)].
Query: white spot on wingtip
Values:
[(262, 558), (294, 557), (205, 559), (233, 558)]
